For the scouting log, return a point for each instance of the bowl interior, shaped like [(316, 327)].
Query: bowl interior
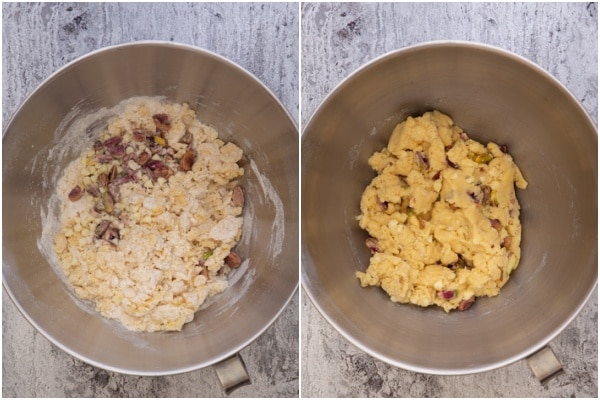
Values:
[(224, 96), (493, 96)]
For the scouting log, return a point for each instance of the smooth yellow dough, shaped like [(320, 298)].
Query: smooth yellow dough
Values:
[(442, 214)]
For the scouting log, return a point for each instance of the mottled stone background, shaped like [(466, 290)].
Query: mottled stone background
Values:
[(37, 39), (338, 38)]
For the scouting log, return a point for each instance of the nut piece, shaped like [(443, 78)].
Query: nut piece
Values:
[(162, 122), (108, 202), (93, 190), (76, 193), (506, 242), (373, 245), (101, 228), (187, 138), (112, 174), (451, 163), (111, 235), (446, 294), (143, 157), (423, 159), (103, 179), (233, 260), (482, 158), (114, 146), (237, 197), (466, 304), (98, 145), (496, 224), (187, 161), (162, 172)]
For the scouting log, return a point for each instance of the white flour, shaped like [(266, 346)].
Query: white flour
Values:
[(69, 142)]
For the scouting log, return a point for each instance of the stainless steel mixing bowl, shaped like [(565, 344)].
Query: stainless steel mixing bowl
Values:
[(494, 96), (243, 111)]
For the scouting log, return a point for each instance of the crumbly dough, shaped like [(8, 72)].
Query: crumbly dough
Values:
[(149, 217), (442, 214)]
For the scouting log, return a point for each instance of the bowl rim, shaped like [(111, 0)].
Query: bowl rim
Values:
[(141, 43), (193, 365), (439, 43), (305, 281)]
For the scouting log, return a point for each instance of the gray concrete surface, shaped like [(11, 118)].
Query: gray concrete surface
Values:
[(337, 38), (38, 39)]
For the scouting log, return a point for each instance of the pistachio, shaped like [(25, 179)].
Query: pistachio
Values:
[(76, 193), (163, 172), (149, 172), (233, 260), (237, 197), (506, 242), (187, 161), (114, 146), (115, 140), (446, 294), (138, 133), (494, 199), (425, 216), (512, 262), (108, 202), (481, 158), (496, 224), (103, 158), (157, 169), (114, 192), (403, 182), (186, 138), (112, 235), (473, 196), (451, 163), (103, 179), (93, 190), (466, 304), (423, 159), (453, 206), (130, 173), (162, 122), (119, 180), (112, 174), (143, 157), (486, 192), (101, 228), (99, 207), (98, 145), (203, 270), (460, 263), (155, 164), (162, 142), (373, 245)]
